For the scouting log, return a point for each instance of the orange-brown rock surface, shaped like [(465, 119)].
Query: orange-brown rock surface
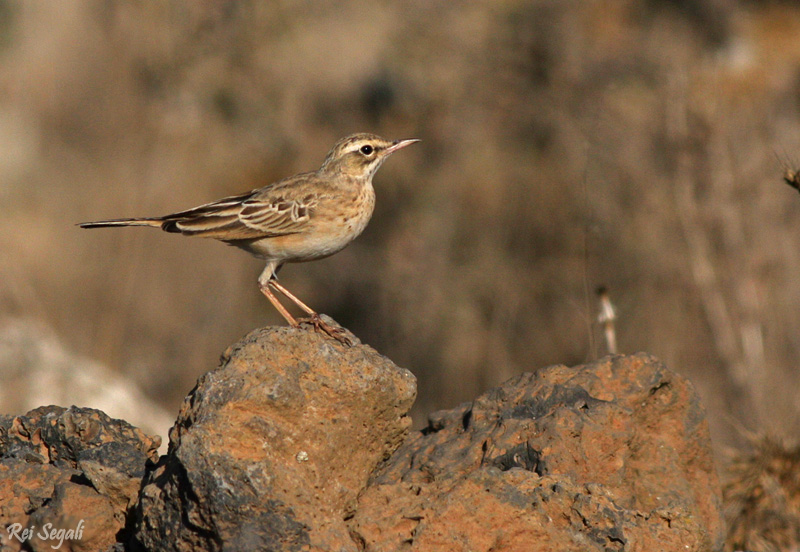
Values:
[(68, 478), (614, 455), (271, 450), (298, 443)]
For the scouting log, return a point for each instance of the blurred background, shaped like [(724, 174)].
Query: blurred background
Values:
[(565, 146)]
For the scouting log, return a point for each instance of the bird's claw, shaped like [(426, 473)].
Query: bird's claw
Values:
[(320, 325)]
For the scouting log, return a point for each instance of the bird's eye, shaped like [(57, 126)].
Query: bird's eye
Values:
[(366, 150)]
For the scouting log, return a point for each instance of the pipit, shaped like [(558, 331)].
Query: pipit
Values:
[(301, 218)]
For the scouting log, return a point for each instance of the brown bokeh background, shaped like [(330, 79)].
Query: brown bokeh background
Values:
[(565, 145)]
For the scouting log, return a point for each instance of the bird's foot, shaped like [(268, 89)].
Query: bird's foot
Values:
[(319, 324)]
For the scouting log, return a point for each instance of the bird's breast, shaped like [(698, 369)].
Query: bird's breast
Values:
[(340, 221), (334, 222), (355, 219)]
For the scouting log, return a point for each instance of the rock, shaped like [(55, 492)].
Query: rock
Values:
[(613, 455), (69, 469), (297, 442), (91, 516), (271, 450)]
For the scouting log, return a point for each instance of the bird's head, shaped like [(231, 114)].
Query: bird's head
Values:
[(360, 155)]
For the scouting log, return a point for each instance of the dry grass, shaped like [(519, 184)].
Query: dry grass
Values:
[(762, 497), (566, 145)]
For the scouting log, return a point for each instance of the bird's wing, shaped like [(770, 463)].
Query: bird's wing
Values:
[(277, 216), (275, 210)]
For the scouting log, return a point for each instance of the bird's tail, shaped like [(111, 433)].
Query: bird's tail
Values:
[(155, 222)]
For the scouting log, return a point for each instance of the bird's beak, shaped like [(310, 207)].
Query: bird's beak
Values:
[(400, 144)]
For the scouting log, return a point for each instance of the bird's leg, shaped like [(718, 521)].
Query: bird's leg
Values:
[(313, 317), (264, 287), (277, 285), (264, 281)]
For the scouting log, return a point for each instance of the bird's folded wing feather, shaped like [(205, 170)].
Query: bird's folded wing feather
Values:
[(248, 216)]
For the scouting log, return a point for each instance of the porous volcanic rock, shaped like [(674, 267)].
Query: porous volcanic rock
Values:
[(292, 444), (609, 456), (271, 450), (69, 469)]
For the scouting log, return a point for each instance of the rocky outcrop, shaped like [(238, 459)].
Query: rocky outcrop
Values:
[(613, 455), (297, 442), (271, 450), (68, 478)]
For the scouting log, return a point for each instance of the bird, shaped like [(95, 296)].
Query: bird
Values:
[(301, 218)]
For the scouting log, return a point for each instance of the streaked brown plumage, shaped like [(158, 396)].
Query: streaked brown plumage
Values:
[(301, 218)]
